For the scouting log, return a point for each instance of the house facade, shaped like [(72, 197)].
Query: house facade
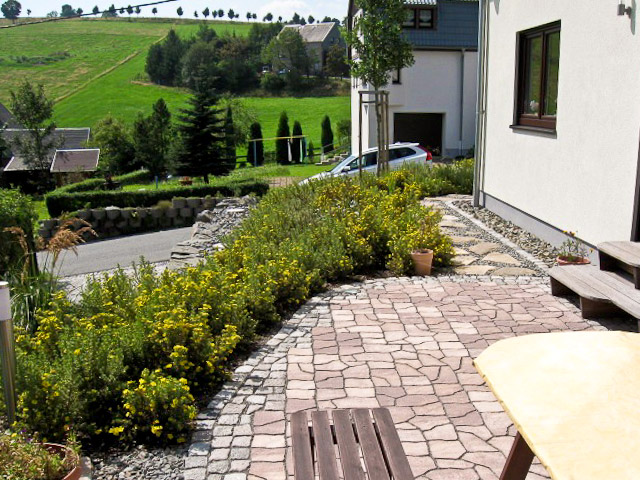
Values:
[(318, 39), (559, 122), (432, 102)]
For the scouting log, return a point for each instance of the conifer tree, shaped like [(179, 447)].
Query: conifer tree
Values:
[(255, 150), (201, 148), (327, 135), (282, 144), (296, 143)]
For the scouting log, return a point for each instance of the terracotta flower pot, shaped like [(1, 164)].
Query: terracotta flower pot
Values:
[(63, 451), (422, 261), (561, 260)]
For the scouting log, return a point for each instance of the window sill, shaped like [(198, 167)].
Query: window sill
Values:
[(552, 132)]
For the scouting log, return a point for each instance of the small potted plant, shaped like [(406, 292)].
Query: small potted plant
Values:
[(422, 261), (572, 251)]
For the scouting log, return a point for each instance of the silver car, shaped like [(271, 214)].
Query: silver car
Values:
[(399, 154)]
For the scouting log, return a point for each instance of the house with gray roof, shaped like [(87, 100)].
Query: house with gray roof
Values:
[(318, 39), (433, 102)]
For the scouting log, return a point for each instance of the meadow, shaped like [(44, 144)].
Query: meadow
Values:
[(95, 67)]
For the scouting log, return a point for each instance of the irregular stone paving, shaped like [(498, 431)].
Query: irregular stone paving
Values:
[(403, 343), (480, 250)]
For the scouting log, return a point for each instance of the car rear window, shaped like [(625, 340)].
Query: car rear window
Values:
[(398, 153)]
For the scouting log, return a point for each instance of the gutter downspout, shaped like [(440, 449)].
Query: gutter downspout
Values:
[(462, 52), (481, 102)]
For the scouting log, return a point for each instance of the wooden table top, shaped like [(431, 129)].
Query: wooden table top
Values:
[(574, 397)]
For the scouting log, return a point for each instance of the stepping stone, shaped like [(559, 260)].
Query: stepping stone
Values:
[(460, 251), (497, 257), (513, 271), (463, 260), (484, 247), (458, 240), (452, 224), (474, 269), (452, 218)]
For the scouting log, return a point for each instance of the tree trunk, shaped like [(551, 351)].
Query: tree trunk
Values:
[(381, 167), (205, 177)]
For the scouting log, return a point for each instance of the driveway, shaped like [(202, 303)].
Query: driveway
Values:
[(108, 254)]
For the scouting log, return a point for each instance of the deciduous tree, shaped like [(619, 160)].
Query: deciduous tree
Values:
[(11, 9), (311, 19), (205, 13), (34, 110), (67, 11), (154, 10), (380, 48), (113, 138), (231, 14), (152, 137), (95, 10), (180, 12), (336, 63), (288, 50)]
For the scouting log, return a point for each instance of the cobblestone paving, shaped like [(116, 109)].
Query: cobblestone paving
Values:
[(403, 343)]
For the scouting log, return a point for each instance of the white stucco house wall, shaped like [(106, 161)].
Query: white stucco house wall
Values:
[(557, 145), (432, 102)]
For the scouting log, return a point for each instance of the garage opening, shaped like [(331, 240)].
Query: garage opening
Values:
[(423, 128)]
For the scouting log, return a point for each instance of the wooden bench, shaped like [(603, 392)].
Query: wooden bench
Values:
[(363, 437), (622, 255)]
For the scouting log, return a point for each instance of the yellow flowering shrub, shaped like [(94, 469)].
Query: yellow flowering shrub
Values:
[(123, 361), (159, 409)]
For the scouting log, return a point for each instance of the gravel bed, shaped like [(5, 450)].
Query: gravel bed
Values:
[(546, 252), (140, 463)]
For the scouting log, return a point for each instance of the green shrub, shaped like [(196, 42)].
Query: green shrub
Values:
[(159, 409), (60, 201), (123, 361), (90, 184), (16, 210)]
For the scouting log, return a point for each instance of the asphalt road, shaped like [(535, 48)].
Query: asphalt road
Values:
[(123, 251)]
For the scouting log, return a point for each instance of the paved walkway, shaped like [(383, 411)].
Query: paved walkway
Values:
[(403, 343)]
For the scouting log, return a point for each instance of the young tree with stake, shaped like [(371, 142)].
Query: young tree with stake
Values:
[(379, 47)]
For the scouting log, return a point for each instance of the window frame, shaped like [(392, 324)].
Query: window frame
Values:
[(523, 40), (415, 25), (396, 77)]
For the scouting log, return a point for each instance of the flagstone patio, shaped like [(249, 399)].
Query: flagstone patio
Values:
[(402, 343)]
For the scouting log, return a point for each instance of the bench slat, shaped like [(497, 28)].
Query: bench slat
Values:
[(622, 294), (376, 466), (349, 453), (627, 252), (394, 453), (574, 278), (326, 454), (302, 453)]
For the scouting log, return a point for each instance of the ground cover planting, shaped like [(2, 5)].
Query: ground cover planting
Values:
[(128, 360)]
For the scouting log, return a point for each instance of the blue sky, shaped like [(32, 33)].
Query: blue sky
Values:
[(284, 8)]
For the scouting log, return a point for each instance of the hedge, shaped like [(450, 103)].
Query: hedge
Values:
[(90, 184), (61, 201)]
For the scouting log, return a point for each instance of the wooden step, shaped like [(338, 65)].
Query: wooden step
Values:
[(602, 293), (623, 256)]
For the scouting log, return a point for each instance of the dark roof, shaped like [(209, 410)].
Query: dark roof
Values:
[(457, 25), (68, 161), (73, 138), (6, 118)]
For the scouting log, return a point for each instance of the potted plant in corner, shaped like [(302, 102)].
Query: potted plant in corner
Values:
[(572, 251), (422, 261)]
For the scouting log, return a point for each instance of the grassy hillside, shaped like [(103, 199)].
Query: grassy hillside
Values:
[(96, 67)]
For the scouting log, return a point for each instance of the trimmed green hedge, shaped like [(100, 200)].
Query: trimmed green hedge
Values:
[(90, 184), (63, 201)]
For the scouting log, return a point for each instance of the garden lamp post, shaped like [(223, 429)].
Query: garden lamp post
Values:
[(7, 352)]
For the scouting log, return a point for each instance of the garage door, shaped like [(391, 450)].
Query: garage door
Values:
[(423, 128)]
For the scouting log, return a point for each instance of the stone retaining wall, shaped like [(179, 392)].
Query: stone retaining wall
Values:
[(116, 221)]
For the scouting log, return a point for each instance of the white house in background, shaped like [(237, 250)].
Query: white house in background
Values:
[(432, 102), (558, 134)]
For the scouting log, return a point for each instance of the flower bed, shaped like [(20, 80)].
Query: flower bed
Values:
[(126, 361)]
